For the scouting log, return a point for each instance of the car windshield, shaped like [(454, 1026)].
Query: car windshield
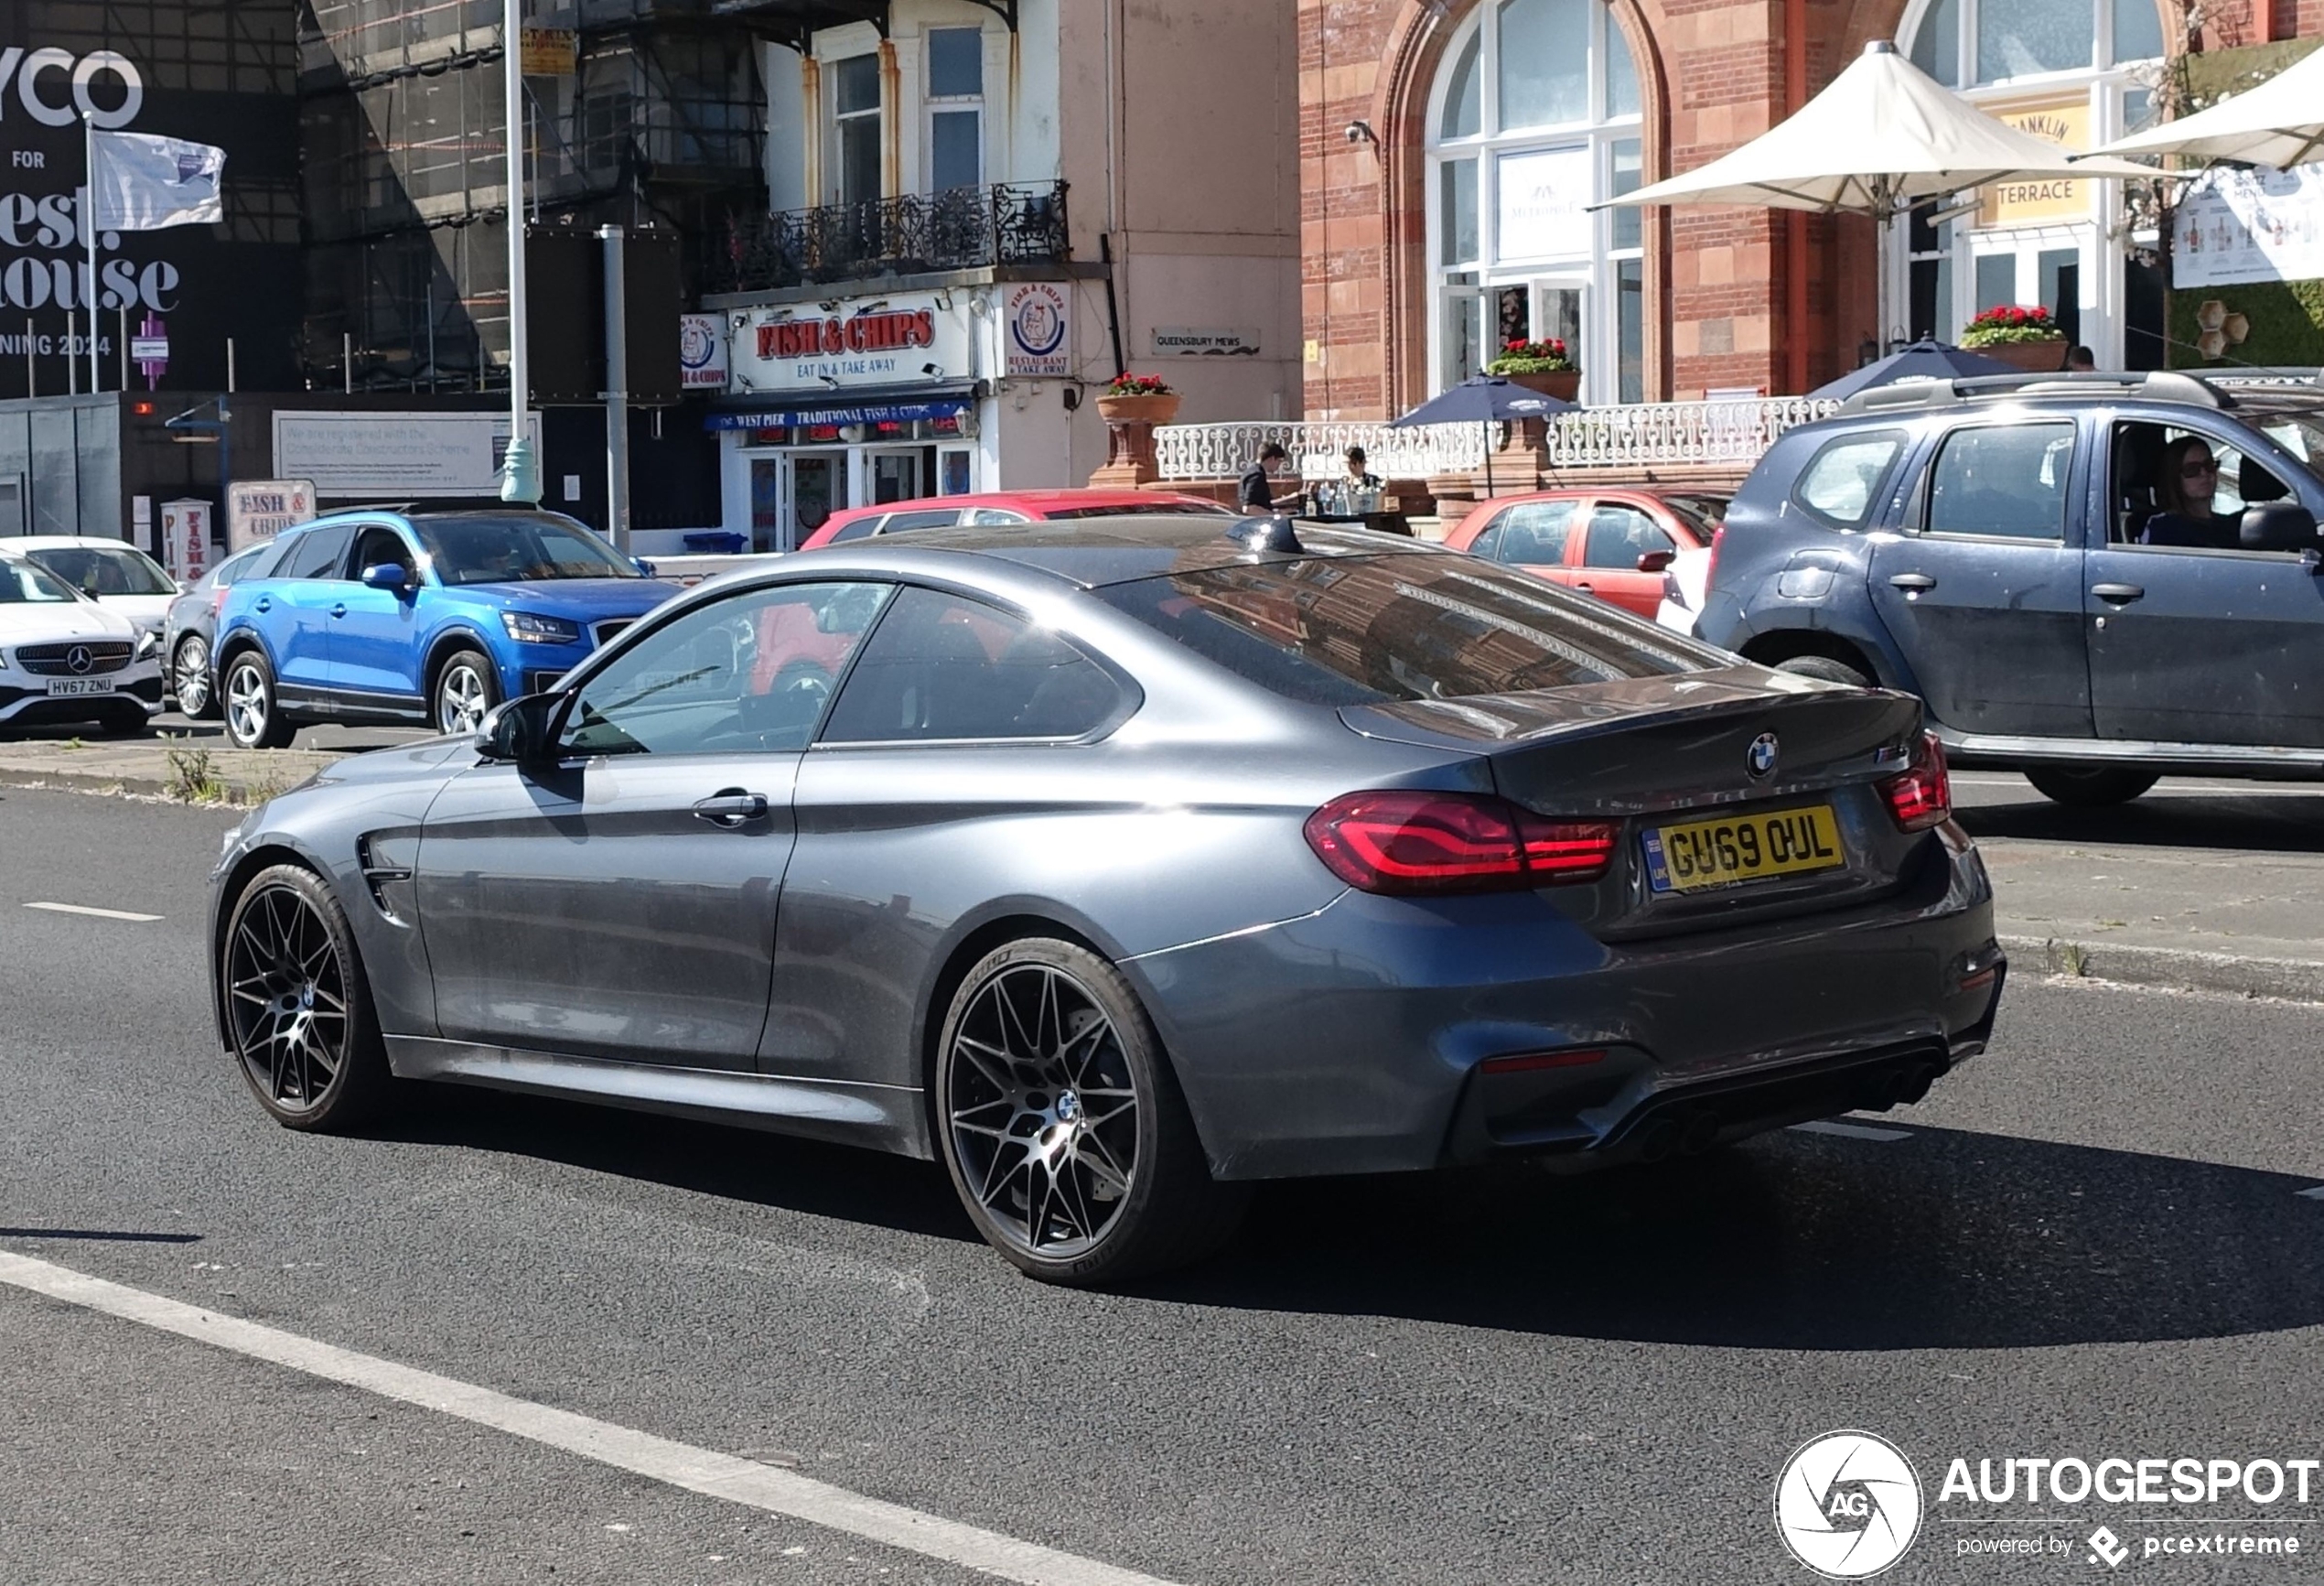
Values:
[(22, 584), (511, 550), (1339, 631), (104, 570), (2298, 430)]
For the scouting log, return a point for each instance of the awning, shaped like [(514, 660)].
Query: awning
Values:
[(870, 404)]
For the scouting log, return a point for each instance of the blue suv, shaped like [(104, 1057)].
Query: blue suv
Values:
[(420, 618)]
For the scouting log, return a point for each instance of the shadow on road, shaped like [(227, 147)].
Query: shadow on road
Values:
[(2282, 823)]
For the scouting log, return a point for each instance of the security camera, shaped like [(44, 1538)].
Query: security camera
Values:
[(1360, 131)]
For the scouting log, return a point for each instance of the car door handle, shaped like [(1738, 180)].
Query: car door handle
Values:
[(2118, 594), (339, 609), (1586, 588), (732, 807), (1913, 583)]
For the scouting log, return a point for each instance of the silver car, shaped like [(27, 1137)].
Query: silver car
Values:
[(1122, 865)]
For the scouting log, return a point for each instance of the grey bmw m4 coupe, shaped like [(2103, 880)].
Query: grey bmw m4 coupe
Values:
[(1119, 866)]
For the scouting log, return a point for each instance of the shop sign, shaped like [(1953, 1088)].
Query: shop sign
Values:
[(702, 351), (908, 339), (396, 454), (1040, 332), (185, 538), (1542, 201), (2044, 200), (2233, 226), (1194, 340), (258, 509), (551, 51)]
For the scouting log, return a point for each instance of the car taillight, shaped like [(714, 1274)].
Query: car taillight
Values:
[(1413, 842), (1922, 796)]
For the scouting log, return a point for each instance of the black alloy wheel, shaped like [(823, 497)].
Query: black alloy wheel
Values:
[(1063, 1125), (298, 1005)]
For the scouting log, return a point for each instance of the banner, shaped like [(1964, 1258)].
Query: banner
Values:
[(144, 182), (2232, 226)]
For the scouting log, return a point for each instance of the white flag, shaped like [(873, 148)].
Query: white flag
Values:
[(143, 183)]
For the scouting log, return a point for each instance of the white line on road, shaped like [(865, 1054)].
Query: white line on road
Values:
[(2315, 1194), (99, 913), (698, 1470), (1851, 1131)]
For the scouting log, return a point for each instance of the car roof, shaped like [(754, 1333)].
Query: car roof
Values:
[(71, 541), (1092, 553)]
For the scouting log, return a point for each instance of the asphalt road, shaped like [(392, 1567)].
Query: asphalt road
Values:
[(2095, 1238)]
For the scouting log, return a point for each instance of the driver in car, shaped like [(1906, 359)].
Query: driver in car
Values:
[(2188, 480)]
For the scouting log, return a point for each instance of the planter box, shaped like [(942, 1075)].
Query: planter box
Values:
[(2033, 357), (1566, 384), (1129, 433)]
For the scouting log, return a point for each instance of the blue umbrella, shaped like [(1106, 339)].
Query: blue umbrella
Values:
[(1924, 360), (1483, 399)]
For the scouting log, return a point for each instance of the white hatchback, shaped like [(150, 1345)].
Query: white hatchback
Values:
[(65, 658)]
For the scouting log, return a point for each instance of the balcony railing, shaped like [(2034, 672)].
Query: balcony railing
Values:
[(961, 229), (1633, 435)]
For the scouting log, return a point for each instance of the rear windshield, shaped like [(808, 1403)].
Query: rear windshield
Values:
[(1342, 632)]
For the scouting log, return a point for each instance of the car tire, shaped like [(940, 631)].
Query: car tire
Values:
[(1824, 667), (189, 679), (466, 688), (298, 1006), (253, 715), (2091, 786), (1063, 1125)]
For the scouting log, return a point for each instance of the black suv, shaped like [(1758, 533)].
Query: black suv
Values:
[(1978, 543)]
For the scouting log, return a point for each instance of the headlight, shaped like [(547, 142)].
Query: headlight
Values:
[(147, 642), (532, 629)]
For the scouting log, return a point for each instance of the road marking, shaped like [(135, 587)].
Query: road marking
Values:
[(2315, 1194), (698, 1470), (1851, 1131), (97, 914)]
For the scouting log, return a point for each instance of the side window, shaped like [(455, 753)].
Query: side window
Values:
[(945, 667), (1488, 540), (750, 674), (378, 545), (1620, 535), (1534, 534), (317, 554), (1842, 482), (993, 518), (898, 522), (2005, 480), (861, 529)]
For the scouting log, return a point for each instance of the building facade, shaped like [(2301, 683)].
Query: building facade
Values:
[(1452, 152)]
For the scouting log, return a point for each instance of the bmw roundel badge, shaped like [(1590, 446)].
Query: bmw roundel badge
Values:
[(1759, 758)]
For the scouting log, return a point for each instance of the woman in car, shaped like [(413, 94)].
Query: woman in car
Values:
[(2186, 483)]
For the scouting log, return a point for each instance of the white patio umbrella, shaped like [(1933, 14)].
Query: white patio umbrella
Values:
[(2278, 124), (1882, 137)]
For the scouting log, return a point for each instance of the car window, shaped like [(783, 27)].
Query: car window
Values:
[(1842, 482), (750, 674), (942, 667), (237, 567), (1422, 626), (2004, 480), (1486, 541), (317, 554), (1620, 535), (1534, 534), (378, 545), (1142, 510), (898, 522), (993, 518), (23, 584), (489, 548), (103, 570), (860, 529)]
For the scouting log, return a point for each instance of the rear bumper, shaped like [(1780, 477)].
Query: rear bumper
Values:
[(1351, 1040)]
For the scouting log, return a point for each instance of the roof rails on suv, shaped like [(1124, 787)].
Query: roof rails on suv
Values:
[(2158, 385)]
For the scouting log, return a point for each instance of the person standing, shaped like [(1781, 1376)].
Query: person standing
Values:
[(2081, 360), (1256, 493)]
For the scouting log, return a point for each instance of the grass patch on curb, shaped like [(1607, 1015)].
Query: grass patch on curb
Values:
[(191, 780)]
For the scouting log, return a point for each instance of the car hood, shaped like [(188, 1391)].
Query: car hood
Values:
[(583, 599), (429, 760), (144, 610), (43, 621)]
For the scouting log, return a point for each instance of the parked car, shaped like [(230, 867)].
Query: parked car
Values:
[(1685, 583), (1982, 543), (1127, 868), (1614, 543), (108, 570), (191, 624), (66, 659), (429, 618), (999, 509)]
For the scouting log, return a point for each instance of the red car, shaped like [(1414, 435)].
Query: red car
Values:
[(1613, 543), (996, 509)]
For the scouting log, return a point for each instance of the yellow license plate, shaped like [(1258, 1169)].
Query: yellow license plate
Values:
[(1742, 847)]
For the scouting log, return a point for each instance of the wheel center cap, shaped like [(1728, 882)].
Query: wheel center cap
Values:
[(306, 999), (1069, 1106)]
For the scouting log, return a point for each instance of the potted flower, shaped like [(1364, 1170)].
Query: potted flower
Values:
[(1138, 399), (2023, 336), (1543, 366)]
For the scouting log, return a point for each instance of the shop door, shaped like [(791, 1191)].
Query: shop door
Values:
[(898, 476), (766, 504), (818, 489)]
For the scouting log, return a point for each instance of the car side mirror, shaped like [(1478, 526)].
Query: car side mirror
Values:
[(1656, 561), (518, 732), (386, 575), (2277, 526)]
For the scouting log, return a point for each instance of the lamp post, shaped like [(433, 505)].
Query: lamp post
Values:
[(520, 473)]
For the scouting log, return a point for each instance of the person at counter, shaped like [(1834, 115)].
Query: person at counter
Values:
[(1354, 492), (1256, 493)]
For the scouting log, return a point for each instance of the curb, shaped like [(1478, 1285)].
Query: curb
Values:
[(2173, 969)]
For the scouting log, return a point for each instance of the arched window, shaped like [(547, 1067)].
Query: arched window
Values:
[(1534, 116), (2078, 72)]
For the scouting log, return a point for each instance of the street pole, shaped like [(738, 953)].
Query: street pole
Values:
[(521, 478), (89, 220), (617, 391)]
